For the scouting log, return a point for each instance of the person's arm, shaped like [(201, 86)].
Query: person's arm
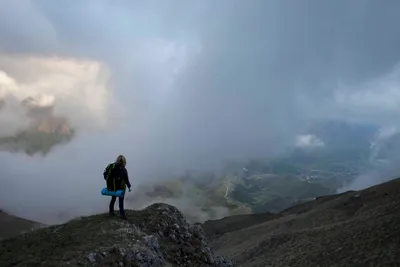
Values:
[(127, 179)]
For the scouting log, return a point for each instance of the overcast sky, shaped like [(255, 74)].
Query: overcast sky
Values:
[(186, 84)]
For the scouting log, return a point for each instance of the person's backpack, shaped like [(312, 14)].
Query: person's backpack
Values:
[(108, 170)]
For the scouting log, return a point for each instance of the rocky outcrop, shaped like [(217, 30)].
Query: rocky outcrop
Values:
[(43, 120), (155, 236), (44, 131), (54, 125), (162, 237)]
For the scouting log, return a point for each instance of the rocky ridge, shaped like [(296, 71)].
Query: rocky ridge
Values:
[(155, 236)]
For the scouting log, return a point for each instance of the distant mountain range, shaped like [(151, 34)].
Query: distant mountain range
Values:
[(339, 135)]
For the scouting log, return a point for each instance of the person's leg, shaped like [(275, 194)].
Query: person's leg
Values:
[(121, 208), (112, 202)]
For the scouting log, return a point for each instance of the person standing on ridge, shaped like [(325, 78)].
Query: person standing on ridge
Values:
[(117, 178)]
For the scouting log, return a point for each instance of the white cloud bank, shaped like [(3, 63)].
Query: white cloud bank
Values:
[(80, 90), (309, 140)]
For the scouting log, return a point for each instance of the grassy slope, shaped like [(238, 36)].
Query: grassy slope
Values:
[(275, 193)]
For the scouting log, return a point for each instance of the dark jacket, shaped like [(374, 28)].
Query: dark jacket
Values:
[(116, 177)]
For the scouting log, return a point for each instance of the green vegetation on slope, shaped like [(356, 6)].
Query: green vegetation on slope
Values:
[(238, 195), (275, 193)]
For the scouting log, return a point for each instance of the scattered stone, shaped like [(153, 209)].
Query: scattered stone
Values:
[(158, 236), (92, 257)]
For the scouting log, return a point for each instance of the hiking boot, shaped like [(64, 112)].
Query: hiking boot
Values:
[(123, 217), (111, 214)]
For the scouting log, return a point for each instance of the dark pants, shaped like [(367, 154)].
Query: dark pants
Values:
[(121, 205)]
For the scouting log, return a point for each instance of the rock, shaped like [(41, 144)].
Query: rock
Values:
[(92, 257)]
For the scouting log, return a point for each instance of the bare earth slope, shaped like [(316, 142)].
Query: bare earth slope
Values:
[(356, 228), (11, 225)]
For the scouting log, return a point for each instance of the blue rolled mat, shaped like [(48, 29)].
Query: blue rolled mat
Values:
[(106, 192)]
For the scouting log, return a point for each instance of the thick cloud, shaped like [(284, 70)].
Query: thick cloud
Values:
[(198, 82), (79, 90)]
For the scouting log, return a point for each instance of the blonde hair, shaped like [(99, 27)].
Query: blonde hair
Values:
[(121, 159)]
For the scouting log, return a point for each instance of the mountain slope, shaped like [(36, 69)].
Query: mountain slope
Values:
[(356, 228), (11, 225), (156, 236)]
